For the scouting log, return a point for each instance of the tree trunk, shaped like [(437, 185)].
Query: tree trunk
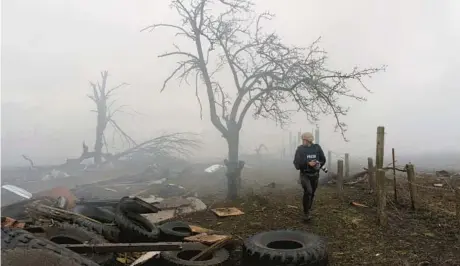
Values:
[(98, 147), (100, 128), (234, 166)]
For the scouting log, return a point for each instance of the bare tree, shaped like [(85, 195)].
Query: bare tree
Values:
[(258, 149), (31, 162), (268, 75), (105, 115)]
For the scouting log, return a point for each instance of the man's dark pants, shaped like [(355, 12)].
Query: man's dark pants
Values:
[(309, 182)]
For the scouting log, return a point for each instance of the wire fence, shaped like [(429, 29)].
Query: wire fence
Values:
[(431, 191), (439, 195), (435, 193)]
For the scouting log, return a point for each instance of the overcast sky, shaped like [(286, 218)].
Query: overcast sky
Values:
[(51, 49)]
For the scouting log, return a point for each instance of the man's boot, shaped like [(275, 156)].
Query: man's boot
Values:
[(307, 217)]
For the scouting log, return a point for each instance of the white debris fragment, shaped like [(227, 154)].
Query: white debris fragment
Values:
[(18, 191), (55, 174), (152, 199), (146, 257), (213, 168), (178, 186), (157, 182), (195, 205)]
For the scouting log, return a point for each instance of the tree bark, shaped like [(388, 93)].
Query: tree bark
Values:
[(234, 166), (100, 128)]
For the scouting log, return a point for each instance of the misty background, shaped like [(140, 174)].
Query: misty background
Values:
[(51, 50)]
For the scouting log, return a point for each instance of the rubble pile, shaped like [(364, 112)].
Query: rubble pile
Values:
[(127, 231), (96, 223), (57, 227)]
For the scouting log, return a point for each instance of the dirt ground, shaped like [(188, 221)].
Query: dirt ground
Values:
[(422, 237), (428, 236)]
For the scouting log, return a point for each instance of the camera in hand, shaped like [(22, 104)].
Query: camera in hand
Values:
[(324, 169), (318, 167)]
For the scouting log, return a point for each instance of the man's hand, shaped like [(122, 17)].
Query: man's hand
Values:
[(312, 163)]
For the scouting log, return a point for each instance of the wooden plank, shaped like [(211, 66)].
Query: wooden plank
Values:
[(380, 148), (224, 212), (199, 230), (207, 239), (381, 197), (339, 181)]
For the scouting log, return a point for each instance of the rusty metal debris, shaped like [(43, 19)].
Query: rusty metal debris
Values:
[(11, 223)]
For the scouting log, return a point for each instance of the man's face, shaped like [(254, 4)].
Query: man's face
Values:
[(305, 142)]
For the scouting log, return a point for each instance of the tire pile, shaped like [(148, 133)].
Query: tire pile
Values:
[(125, 224)]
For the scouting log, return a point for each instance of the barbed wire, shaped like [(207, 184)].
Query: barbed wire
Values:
[(352, 157), (452, 190), (448, 191), (362, 160)]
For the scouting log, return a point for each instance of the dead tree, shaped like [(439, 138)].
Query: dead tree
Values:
[(260, 147), (268, 76), (258, 150), (101, 97), (31, 162)]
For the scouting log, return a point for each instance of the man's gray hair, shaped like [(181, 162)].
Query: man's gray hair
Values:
[(308, 136)]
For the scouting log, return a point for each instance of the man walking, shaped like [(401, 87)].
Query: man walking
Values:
[(309, 158)]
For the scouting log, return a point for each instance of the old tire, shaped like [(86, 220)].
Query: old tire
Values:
[(95, 213), (285, 247), (182, 258), (175, 231), (135, 227), (74, 234), (109, 232), (137, 205), (15, 239)]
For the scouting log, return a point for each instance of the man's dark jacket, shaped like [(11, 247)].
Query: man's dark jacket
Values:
[(305, 154)]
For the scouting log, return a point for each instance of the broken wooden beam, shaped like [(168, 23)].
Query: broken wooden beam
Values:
[(214, 247), (124, 247)]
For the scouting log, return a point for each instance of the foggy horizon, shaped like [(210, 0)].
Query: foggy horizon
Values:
[(51, 50)]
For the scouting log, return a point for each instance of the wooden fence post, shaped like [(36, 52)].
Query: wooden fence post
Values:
[(317, 135), (329, 160), (380, 148), (457, 197), (339, 180), (381, 197), (347, 165), (412, 185), (371, 173), (394, 175)]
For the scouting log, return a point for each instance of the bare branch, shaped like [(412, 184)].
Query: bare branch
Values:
[(107, 95), (27, 158), (269, 77), (181, 30), (172, 145), (123, 133), (198, 96), (179, 53)]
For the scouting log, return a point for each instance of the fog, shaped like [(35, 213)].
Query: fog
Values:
[(52, 49)]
